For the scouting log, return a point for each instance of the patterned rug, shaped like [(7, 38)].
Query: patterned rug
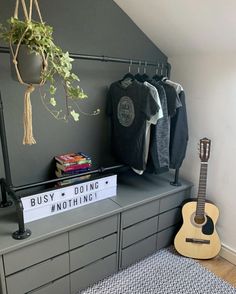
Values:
[(164, 272)]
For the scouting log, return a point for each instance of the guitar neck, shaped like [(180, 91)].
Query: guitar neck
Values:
[(201, 198)]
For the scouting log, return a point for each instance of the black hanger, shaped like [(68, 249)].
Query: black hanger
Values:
[(160, 77), (145, 77), (138, 76), (156, 77), (129, 74)]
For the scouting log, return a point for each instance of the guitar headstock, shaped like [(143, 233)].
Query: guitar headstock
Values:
[(204, 150)]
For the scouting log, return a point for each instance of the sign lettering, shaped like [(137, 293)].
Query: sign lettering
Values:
[(60, 200)]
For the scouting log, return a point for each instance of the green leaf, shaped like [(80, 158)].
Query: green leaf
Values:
[(75, 115), (75, 77), (82, 95), (52, 89), (53, 101)]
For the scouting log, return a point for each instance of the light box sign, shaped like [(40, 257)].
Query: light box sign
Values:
[(60, 200)]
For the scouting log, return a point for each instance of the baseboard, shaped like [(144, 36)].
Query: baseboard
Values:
[(228, 253)]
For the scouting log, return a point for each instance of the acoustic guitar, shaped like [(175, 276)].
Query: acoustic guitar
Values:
[(197, 238)]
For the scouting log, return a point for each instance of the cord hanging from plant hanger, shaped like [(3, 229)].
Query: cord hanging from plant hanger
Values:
[(27, 118)]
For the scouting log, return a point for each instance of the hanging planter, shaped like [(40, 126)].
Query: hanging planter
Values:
[(35, 59), (30, 66)]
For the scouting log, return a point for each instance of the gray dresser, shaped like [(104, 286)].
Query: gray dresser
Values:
[(70, 251)]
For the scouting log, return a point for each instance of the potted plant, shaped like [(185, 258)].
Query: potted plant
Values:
[(36, 59)]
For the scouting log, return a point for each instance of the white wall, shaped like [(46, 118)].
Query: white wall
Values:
[(210, 84)]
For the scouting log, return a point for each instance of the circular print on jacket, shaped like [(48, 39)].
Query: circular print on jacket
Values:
[(125, 111)]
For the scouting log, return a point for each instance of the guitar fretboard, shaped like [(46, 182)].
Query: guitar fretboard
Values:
[(201, 198)]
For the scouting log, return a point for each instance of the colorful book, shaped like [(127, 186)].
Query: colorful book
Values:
[(73, 167), (73, 181), (60, 173), (76, 162), (73, 158)]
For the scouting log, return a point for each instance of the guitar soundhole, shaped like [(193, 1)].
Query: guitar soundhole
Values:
[(197, 220)]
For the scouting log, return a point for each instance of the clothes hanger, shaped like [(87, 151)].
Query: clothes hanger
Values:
[(164, 75), (157, 77), (145, 77), (129, 74), (138, 76), (160, 77)]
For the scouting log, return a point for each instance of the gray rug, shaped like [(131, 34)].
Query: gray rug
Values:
[(163, 272)]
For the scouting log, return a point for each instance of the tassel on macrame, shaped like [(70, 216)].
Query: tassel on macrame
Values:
[(28, 138), (27, 120)]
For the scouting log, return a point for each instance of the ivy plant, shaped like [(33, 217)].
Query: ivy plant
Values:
[(38, 37)]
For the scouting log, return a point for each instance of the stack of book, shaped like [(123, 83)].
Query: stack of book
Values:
[(72, 164)]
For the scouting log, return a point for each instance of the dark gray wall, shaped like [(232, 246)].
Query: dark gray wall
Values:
[(80, 26)]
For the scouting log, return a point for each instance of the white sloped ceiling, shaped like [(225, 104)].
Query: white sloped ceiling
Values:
[(180, 27)]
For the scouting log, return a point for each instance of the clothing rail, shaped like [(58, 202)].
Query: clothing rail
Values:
[(7, 187), (104, 58)]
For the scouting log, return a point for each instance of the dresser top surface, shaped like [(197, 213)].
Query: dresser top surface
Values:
[(134, 189)]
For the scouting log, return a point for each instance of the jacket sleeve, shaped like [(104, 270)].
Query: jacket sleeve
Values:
[(178, 135)]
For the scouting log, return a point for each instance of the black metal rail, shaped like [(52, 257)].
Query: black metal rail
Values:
[(104, 58)]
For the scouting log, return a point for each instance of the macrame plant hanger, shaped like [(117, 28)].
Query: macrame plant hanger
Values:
[(28, 138)]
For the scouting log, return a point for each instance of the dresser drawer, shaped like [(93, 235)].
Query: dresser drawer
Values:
[(61, 286), (93, 251), (166, 237), (169, 218), (35, 253), (174, 200), (138, 251), (140, 213), (139, 231), (38, 275), (94, 231), (92, 273)]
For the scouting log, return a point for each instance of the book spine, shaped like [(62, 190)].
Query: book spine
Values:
[(74, 167), (75, 162), (73, 181), (72, 158), (60, 173)]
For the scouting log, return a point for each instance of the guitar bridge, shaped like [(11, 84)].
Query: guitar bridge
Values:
[(198, 241)]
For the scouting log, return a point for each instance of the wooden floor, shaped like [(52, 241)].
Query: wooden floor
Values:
[(222, 268)]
